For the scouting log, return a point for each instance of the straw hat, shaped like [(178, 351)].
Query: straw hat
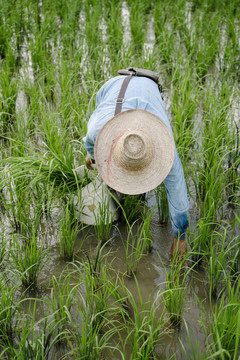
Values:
[(134, 152)]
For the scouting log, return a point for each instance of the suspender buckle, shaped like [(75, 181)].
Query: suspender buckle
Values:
[(119, 100)]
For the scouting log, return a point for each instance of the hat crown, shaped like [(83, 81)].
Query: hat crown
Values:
[(133, 151)]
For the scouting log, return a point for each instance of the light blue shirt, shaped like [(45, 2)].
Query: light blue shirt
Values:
[(142, 93)]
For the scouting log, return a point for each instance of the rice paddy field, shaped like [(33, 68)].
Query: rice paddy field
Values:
[(74, 291)]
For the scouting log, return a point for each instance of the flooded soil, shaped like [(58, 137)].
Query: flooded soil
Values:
[(151, 278)]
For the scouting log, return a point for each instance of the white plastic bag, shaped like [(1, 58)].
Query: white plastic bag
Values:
[(94, 197)]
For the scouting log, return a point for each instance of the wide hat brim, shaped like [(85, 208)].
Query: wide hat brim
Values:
[(158, 167)]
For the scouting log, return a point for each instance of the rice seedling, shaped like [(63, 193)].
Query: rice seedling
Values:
[(3, 246), (114, 26), (131, 207), (134, 248), (96, 296), (207, 50), (225, 326), (218, 269), (13, 202), (69, 230), (162, 203), (61, 302), (233, 165), (101, 293), (84, 339), (8, 83), (145, 326), (165, 36), (199, 238), (34, 339), (213, 155), (56, 166), (233, 257), (98, 304), (196, 352), (209, 189), (10, 306), (145, 230), (28, 259), (92, 14), (104, 220), (138, 19), (175, 294)]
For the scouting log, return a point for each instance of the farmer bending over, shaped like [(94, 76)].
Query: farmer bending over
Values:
[(130, 139)]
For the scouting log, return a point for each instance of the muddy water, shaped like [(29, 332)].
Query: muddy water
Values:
[(151, 278)]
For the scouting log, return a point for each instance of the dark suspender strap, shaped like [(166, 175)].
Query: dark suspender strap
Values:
[(121, 94)]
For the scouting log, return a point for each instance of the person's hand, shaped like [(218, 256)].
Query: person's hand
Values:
[(88, 162), (179, 251)]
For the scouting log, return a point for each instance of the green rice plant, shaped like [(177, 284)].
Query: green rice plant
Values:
[(145, 326), (234, 258), (3, 246), (165, 36), (210, 182), (28, 259), (98, 306), (84, 339), (30, 215), (103, 292), (184, 96), (217, 260), (115, 26), (199, 238), (134, 248), (8, 85), (233, 164), (145, 229), (110, 298), (14, 202), (185, 93), (175, 294), (92, 14), (234, 252), (131, 207), (225, 326), (68, 232), (138, 21), (210, 178), (98, 289), (205, 50), (45, 169), (25, 204), (44, 196), (196, 352), (162, 203), (103, 220), (34, 339), (62, 299), (10, 306), (59, 153)]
